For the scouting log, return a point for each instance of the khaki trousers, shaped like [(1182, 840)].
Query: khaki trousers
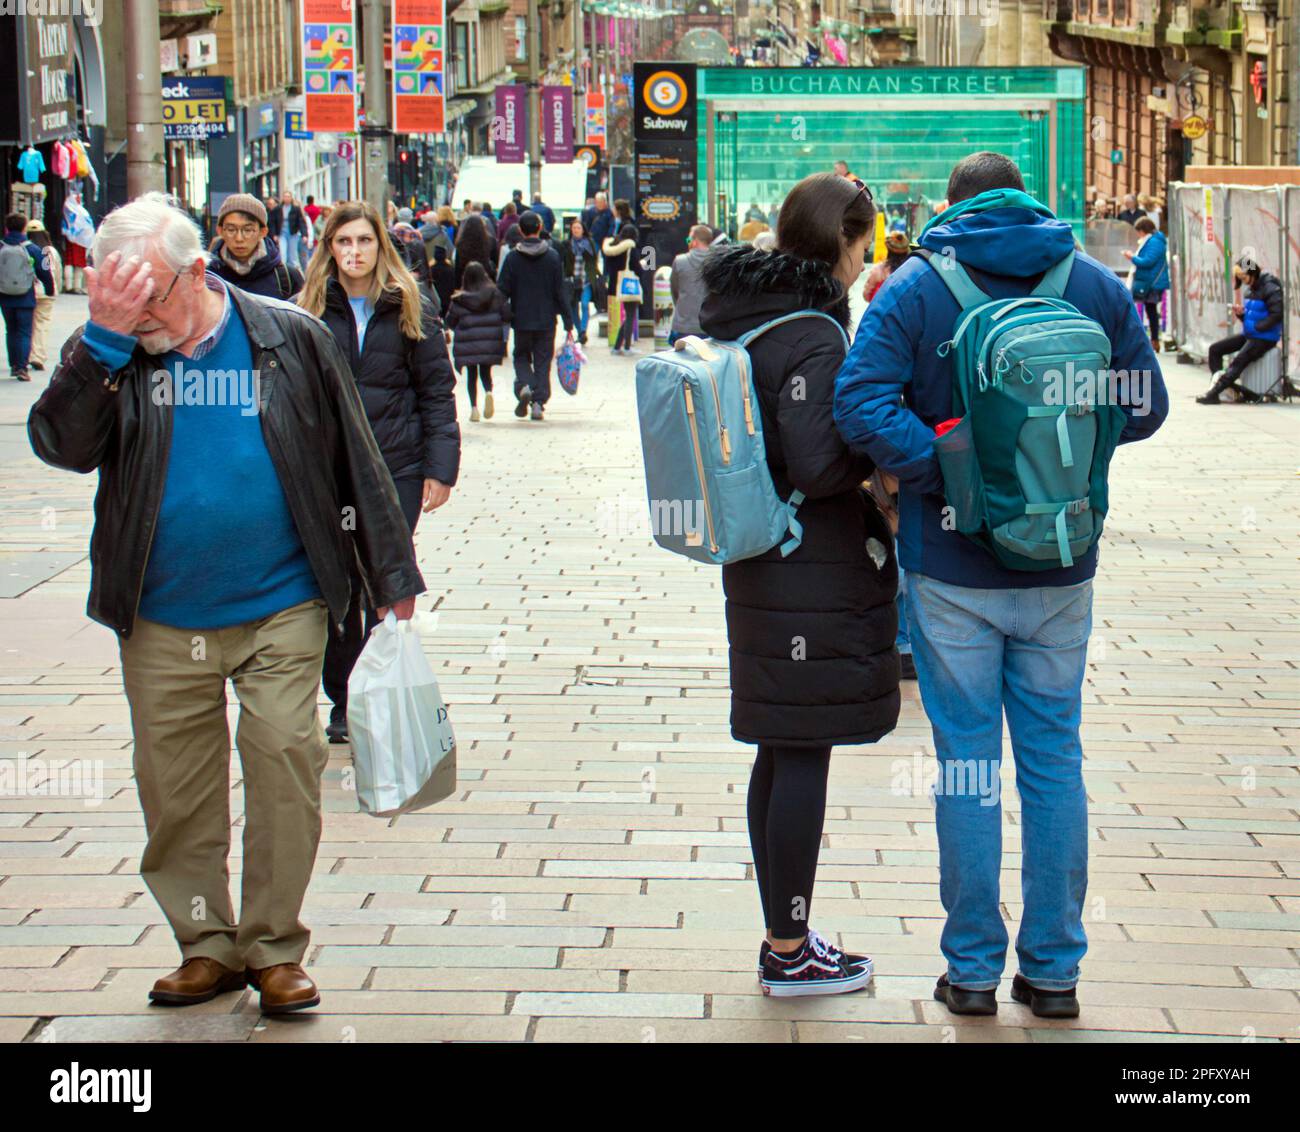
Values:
[(41, 328), (176, 684)]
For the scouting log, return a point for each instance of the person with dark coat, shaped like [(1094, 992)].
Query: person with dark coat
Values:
[(22, 266), (620, 252), (444, 279), (578, 253), (288, 224), (244, 255), (480, 316), (1261, 329), (811, 634), (475, 243), (532, 279), (390, 333)]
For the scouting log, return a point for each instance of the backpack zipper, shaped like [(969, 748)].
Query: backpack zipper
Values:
[(699, 466), (996, 358), (724, 441)]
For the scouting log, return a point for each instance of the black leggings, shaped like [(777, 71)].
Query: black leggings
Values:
[(786, 807), (624, 339), (473, 375), (1153, 317)]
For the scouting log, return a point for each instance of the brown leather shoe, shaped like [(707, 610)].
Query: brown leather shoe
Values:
[(285, 987), (196, 980)]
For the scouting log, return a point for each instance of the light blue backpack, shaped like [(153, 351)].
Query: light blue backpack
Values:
[(710, 491)]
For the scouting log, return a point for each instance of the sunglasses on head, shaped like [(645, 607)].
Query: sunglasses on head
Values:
[(862, 188)]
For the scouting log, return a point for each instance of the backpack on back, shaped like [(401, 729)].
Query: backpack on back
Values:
[(1025, 468), (710, 490), (17, 275)]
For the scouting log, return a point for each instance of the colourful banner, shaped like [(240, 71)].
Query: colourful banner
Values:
[(329, 65), (557, 123), (595, 111), (419, 64), (508, 124)]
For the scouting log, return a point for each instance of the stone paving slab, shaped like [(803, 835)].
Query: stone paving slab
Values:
[(591, 880)]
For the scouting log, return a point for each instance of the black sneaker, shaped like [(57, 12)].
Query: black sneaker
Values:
[(851, 959), (816, 968), (336, 731), (1045, 1003), (37, 366), (908, 665), (961, 1001), (1209, 399), (525, 395)]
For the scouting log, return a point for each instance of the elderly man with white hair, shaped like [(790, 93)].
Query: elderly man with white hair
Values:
[(238, 479)]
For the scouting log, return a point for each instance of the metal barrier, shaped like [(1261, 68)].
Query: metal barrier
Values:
[(1211, 227)]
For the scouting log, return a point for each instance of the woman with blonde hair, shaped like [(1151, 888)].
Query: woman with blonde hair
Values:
[(390, 334)]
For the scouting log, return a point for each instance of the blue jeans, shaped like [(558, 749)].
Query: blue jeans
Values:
[(903, 641), (18, 336), (978, 652), (580, 315)]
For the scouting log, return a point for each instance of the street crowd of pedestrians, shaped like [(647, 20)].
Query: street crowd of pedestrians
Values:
[(275, 521)]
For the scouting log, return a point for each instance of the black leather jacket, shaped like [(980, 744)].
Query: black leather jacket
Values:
[(334, 479)]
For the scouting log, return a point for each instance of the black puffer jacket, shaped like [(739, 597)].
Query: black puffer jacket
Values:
[(407, 388), (812, 655), (480, 319), (315, 433)]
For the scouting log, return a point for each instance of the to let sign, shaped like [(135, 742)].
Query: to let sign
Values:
[(194, 107)]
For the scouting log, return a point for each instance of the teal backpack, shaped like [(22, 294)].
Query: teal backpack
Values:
[(1025, 469)]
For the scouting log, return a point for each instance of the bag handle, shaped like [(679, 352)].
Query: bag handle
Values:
[(954, 276), (700, 345)]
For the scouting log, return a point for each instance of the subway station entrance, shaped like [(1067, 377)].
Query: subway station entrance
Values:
[(900, 130)]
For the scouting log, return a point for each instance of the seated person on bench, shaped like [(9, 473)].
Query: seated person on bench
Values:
[(1261, 326)]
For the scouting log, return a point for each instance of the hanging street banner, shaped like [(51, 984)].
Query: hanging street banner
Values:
[(595, 112), (419, 58), (194, 106), (329, 66), (557, 124), (508, 130)]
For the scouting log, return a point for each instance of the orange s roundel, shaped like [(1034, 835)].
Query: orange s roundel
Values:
[(664, 93)]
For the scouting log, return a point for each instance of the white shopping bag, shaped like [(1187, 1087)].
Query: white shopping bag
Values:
[(403, 747)]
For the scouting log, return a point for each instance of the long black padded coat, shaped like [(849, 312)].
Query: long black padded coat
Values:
[(480, 320), (407, 388), (813, 662)]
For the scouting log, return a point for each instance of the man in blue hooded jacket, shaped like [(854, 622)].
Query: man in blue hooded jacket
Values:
[(987, 638)]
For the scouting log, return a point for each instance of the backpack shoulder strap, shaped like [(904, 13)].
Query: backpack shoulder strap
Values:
[(1052, 285), (283, 279), (750, 335), (961, 285)]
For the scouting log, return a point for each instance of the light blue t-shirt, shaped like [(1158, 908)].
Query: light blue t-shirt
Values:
[(362, 309)]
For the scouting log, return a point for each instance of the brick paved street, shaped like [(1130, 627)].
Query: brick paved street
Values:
[(591, 880)]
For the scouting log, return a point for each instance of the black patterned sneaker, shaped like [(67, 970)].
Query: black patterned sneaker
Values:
[(1045, 1003), (851, 959), (524, 395), (811, 970)]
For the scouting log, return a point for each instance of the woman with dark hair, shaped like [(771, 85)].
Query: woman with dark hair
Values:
[(620, 255), (388, 329), (480, 316), (578, 253), (811, 634), (475, 244)]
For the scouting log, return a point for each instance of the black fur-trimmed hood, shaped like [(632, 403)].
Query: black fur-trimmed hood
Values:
[(747, 287)]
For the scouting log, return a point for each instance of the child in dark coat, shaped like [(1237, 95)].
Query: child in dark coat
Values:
[(480, 316)]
